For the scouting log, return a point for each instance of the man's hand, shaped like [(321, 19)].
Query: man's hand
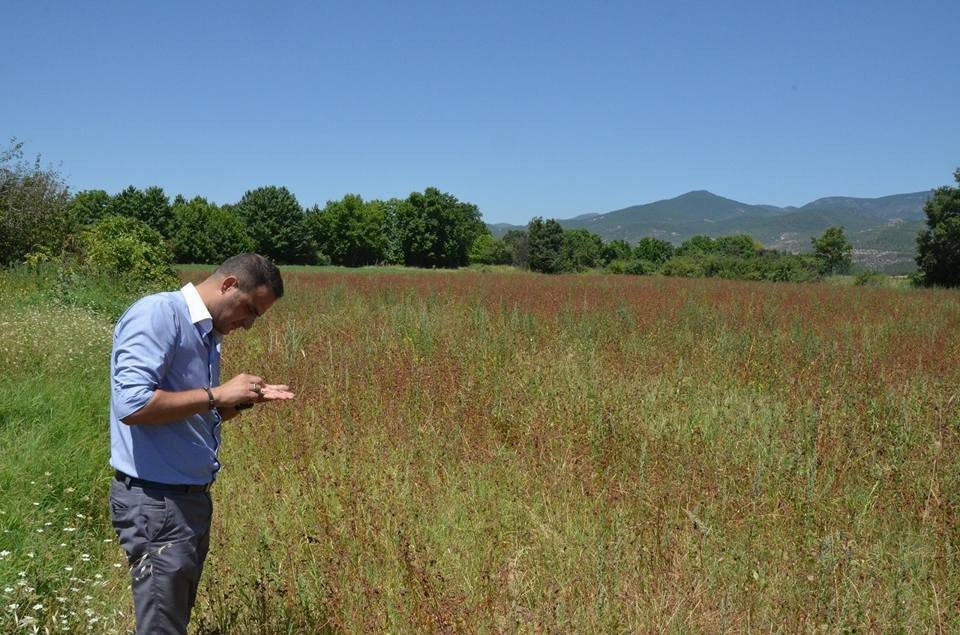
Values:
[(274, 392), (246, 389)]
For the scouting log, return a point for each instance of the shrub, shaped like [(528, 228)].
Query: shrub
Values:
[(128, 251), (869, 278), (684, 266), (33, 204)]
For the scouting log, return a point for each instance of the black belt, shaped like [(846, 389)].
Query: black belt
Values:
[(139, 482)]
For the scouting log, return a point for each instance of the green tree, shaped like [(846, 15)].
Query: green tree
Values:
[(87, 207), (653, 250), (275, 221), (741, 246), (615, 250), (518, 245), (938, 246), (487, 250), (434, 229), (545, 241), (833, 251), (699, 244), (150, 206), (349, 232), (394, 213), (206, 233), (580, 250), (33, 207)]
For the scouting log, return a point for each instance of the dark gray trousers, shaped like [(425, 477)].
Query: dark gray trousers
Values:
[(165, 535)]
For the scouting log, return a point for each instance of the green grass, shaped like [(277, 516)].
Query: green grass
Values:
[(60, 567), (485, 452)]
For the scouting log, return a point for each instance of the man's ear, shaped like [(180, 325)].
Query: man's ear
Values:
[(227, 283)]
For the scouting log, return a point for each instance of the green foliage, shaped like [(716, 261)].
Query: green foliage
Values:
[(87, 207), (275, 221), (615, 250), (518, 244), (833, 251), (870, 278), (394, 213), (684, 267), (770, 265), (580, 250), (349, 232), (434, 229), (206, 233), (33, 207), (653, 250), (740, 246), (487, 250), (128, 251), (938, 247), (150, 206), (545, 243), (696, 245), (788, 268)]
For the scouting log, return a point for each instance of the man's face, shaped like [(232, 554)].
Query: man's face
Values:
[(241, 308)]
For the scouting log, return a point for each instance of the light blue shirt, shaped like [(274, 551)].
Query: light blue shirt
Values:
[(166, 341)]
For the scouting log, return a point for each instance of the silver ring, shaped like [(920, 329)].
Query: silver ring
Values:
[(256, 388)]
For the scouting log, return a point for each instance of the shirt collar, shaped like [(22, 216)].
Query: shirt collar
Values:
[(199, 314)]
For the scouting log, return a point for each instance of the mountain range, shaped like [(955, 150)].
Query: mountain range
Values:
[(882, 230)]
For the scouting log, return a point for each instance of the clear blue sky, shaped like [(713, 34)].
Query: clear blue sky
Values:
[(549, 108)]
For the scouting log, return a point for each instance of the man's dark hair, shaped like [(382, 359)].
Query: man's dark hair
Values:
[(253, 271)]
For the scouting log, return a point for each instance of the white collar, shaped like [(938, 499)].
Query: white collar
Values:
[(199, 313)]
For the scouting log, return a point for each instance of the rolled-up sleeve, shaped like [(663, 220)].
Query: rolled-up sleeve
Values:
[(144, 344)]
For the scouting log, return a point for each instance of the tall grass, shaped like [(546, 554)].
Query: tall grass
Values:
[(487, 452), (483, 452)]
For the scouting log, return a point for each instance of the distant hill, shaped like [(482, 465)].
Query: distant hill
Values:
[(883, 230), (902, 206)]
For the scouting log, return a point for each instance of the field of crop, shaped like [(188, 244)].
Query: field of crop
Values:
[(514, 452)]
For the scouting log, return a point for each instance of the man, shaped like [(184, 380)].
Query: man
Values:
[(166, 410)]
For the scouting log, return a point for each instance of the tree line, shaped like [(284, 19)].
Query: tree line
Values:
[(40, 219), (545, 246)]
